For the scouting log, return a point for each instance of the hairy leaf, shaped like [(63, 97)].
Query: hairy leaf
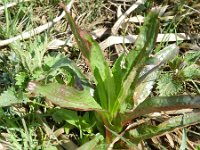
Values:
[(191, 72), (145, 42), (191, 57), (8, 98), (66, 96), (168, 85)]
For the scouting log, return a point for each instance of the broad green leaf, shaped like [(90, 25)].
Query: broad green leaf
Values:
[(142, 48), (9, 97), (150, 72), (158, 104), (124, 93), (69, 66), (145, 41), (65, 96), (134, 61), (101, 71), (118, 71), (91, 145), (146, 131), (103, 75)]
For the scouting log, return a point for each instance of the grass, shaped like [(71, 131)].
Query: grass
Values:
[(30, 122)]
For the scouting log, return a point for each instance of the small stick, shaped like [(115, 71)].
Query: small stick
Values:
[(117, 24), (38, 30)]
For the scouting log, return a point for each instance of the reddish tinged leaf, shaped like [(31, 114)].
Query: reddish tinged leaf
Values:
[(158, 104), (83, 34), (78, 34), (65, 96), (147, 131)]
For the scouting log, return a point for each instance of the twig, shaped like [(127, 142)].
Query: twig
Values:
[(112, 40), (129, 127), (11, 4), (170, 37), (117, 24), (191, 8), (33, 32)]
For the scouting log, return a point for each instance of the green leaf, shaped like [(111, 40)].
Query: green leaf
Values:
[(103, 76), (146, 131), (145, 41), (134, 62), (66, 115), (82, 44), (192, 57), (91, 145), (8, 98), (32, 57), (191, 72), (158, 104), (184, 140), (65, 62), (168, 85), (20, 78), (65, 96), (142, 48), (118, 71), (150, 73)]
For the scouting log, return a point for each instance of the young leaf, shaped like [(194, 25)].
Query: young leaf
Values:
[(158, 104), (8, 98), (66, 96), (192, 57), (148, 131), (191, 72), (167, 85)]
